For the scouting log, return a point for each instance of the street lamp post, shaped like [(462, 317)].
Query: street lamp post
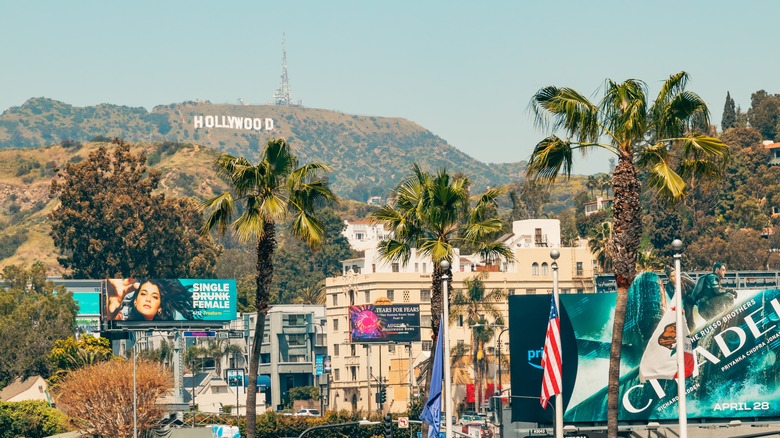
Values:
[(677, 245), (499, 402), (445, 297), (555, 254)]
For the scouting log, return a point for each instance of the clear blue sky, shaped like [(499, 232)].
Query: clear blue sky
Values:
[(464, 70)]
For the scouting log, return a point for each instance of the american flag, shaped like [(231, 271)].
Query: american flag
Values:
[(551, 358)]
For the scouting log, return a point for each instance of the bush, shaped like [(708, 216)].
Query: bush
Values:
[(31, 419)]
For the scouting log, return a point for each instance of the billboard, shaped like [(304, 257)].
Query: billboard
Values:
[(736, 340), (165, 301), (235, 377), (391, 323)]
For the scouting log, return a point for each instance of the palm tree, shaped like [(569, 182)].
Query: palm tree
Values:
[(591, 184), (600, 244), (432, 213), (311, 294), (656, 136), (268, 192), (475, 303)]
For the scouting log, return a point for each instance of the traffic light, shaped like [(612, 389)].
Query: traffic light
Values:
[(388, 425), (383, 395)]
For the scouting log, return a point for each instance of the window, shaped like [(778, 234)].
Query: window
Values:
[(530, 291), (297, 358), (425, 295), (353, 350), (299, 339), (535, 269), (425, 320), (545, 269), (511, 292), (391, 348), (296, 320), (351, 297), (373, 267), (391, 295), (460, 320), (426, 345), (353, 371), (579, 269), (335, 323), (394, 267), (335, 349), (461, 343), (425, 268), (416, 267), (335, 299), (367, 296), (336, 375)]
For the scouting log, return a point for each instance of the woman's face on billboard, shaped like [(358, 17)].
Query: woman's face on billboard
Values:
[(148, 301)]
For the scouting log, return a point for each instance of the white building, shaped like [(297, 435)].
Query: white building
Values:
[(363, 235)]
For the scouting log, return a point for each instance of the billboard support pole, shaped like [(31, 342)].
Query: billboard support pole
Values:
[(683, 416), (554, 254), (135, 397)]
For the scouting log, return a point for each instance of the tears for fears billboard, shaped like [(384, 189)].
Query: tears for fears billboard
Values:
[(737, 375)]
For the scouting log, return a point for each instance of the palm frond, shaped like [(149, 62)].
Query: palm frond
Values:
[(308, 228), (221, 208), (568, 110), (666, 182), (396, 250), (624, 107), (250, 225), (552, 156)]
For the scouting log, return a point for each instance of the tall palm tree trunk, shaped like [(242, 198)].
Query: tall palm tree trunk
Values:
[(627, 235), (265, 270)]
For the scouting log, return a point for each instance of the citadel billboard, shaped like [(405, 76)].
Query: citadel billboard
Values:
[(735, 349)]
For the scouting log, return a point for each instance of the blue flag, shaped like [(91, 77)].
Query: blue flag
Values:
[(431, 413)]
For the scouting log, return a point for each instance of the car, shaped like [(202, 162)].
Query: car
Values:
[(308, 413)]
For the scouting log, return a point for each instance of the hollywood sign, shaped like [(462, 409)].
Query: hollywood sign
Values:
[(233, 122)]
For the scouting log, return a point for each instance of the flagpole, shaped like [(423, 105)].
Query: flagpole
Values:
[(445, 331), (554, 254), (683, 416)]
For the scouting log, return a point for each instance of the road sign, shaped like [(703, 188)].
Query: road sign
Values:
[(236, 334), (403, 422), (201, 334)]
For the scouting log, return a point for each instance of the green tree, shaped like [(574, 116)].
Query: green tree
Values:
[(764, 113), (31, 419), (655, 136), (482, 314), (34, 314), (71, 354), (269, 191), (729, 118), (111, 223)]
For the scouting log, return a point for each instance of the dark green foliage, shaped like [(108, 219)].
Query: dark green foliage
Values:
[(729, 119), (764, 113), (304, 393), (112, 224), (31, 419), (32, 318), (273, 425)]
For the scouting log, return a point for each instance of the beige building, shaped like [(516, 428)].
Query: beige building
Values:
[(356, 368)]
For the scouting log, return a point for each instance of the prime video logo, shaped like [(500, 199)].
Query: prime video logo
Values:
[(534, 357)]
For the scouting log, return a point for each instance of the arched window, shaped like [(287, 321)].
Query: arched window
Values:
[(545, 270), (535, 269)]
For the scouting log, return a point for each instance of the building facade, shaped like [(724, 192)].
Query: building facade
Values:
[(358, 369)]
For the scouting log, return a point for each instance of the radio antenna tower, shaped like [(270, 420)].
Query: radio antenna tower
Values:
[(283, 95)]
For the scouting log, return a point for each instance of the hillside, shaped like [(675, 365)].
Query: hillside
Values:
[(368, 155)]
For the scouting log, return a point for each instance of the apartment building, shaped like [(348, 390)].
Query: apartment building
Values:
[(358, 368)]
